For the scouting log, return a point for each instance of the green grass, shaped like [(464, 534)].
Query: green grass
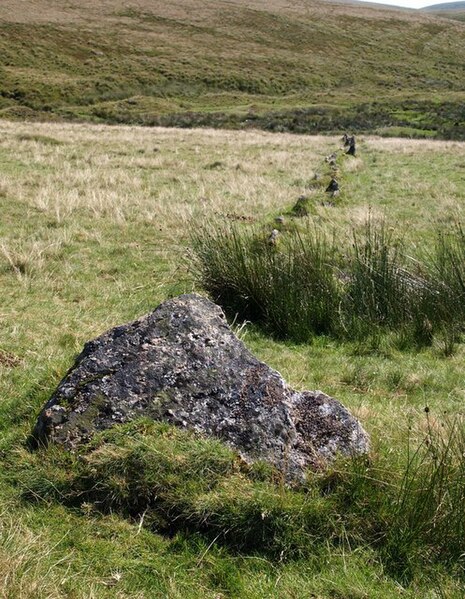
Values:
[(278, 68), (171, 482), (94, 232)]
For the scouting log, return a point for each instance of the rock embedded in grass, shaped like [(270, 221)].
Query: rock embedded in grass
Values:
[(183, 364)]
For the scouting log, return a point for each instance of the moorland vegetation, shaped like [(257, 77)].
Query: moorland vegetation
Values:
[(358, 292), (99, 224), (305, 67)]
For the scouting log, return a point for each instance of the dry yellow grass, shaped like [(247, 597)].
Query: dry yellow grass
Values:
[(167, 176), (171, 180), (88, 197), (160, 175)]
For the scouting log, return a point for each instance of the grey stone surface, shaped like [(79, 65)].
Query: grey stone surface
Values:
[(183, 364)]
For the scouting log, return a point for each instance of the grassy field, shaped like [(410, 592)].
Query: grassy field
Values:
[(94, 231), (306, 66)]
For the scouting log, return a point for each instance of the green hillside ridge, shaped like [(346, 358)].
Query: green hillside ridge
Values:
[(306, 67), (445, 6), (448, 10)]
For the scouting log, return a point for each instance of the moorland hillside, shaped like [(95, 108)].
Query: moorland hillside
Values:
[(449, 10), (303, 66)]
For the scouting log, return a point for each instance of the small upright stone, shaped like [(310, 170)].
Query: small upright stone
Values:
[(273, 237), (301, 207), (333, 188), (350, 142)]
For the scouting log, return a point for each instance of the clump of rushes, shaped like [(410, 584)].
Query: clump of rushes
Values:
[(427, 519), (448, 268), (307, 284), (409, 509), (235, 269), (388, 290), (378, 286), (292, 289)]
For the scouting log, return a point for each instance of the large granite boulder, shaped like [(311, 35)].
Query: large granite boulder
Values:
[(183, 364)]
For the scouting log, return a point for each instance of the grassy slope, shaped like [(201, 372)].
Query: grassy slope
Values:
[(305, 66), (455, 14), (448, 10), (93, 233)]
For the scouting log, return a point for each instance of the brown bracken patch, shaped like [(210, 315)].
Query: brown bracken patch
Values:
[(8, 360)]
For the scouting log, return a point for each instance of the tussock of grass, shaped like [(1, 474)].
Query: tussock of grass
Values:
[(428, 521), (280, 289), (178, 481), (169, 480), (308, 284)]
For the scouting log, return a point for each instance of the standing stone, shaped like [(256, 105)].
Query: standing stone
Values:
[(183, 364)]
